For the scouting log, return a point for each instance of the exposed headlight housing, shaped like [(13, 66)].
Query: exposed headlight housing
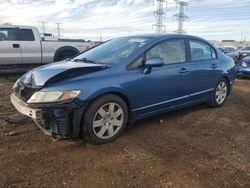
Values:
[(15, 85), (243, 64), (53, 96)]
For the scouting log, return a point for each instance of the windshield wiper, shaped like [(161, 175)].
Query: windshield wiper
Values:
[(87, 60)]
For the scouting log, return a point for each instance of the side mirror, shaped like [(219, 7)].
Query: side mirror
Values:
[(152, 62)]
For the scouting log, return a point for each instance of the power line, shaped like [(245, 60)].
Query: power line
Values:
[(181, 16), (160, 15)]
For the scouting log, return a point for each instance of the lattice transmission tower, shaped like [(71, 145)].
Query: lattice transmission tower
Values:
[(160, 15), (181, 16)]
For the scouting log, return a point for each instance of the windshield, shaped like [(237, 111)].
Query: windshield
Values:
[(113, 51)]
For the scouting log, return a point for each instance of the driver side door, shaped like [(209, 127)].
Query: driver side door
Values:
[(165, 86), (10, 51)]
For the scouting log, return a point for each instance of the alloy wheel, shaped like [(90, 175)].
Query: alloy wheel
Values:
[(108, 120), (221, 92)]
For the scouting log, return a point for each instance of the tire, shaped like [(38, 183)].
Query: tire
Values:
[(219, 94), (64, 55), (109, 124)]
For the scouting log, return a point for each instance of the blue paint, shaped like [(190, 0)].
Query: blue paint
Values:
[(147, 93)]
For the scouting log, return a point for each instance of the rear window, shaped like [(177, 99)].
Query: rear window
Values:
[(201, 51), (27, 35)]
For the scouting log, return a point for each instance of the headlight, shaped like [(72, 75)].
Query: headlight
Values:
[(243, 64), (244, 54), (53, 96)]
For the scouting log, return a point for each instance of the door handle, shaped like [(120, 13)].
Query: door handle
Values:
[(183, 71), (16, 46), (213, 66)]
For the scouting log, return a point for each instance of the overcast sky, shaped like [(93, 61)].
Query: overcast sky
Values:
[(213, 19)]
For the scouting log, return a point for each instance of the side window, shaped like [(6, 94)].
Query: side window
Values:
[(8, 34), (27, 35), (201, 51), (172, 51), (137, 63)]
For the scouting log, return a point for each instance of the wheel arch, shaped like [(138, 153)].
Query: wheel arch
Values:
[(228, 82), (119, 94), (64, 48)]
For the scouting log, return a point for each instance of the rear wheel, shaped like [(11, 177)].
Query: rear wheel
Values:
[(64, 55), (105, 119), (220, 94)]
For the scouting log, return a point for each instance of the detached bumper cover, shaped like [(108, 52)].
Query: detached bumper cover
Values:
[(23, 108), (59, 120)]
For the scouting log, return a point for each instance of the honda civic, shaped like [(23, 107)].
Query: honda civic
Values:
[(100, 91)]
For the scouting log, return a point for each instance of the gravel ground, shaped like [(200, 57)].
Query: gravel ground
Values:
[(193, 147)]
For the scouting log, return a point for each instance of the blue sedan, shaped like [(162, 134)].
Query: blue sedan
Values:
[(243, 68), (99, 92)]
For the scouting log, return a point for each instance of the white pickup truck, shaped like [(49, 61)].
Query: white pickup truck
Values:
[(22, 45)]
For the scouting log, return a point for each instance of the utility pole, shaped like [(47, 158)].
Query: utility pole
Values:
[(181, 17), (100, 36), (43, 26), (58, 30), (160, 15)]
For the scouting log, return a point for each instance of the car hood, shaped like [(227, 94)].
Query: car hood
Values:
[(57, 71)]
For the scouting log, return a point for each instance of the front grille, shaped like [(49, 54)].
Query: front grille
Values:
[(52, 125), (63, 127), (24, 92)]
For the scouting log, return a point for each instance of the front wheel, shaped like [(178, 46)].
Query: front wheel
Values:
[(105, 119), (220, 94)]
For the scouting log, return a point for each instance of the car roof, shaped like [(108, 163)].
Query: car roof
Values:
[(168, 35), (15, 26), (165, 36)]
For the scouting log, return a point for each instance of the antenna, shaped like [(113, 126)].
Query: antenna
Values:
[(181, 17), (160, 15)]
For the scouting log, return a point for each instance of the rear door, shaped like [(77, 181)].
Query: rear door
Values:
[(10, 51), (204, 69), (167, 85), (31, 47)]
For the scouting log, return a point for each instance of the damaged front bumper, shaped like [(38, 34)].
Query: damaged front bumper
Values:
[(61, 120)]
